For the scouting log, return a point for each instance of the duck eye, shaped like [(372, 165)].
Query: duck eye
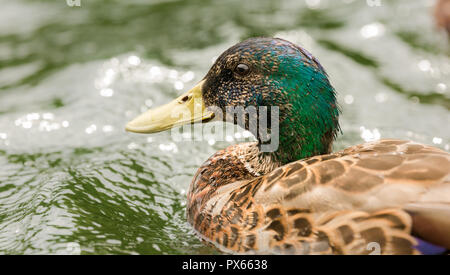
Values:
[(242, 69)]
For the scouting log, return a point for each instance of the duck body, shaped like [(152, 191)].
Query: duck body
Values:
[(336, 203), (299, 197)]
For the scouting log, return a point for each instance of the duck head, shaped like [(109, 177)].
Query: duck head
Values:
[(260, 72)]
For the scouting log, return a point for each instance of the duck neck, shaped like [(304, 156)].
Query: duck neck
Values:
[(301, 133), (301, 140)]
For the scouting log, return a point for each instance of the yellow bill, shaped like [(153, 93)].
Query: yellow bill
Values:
[(187, 108)]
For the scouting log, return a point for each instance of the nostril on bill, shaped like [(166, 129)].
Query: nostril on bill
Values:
[(185, 98)]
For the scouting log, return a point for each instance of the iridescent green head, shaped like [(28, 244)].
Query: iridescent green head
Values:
[(276, 72), (262, 72)]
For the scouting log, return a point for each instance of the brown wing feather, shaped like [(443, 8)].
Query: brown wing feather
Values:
[(347, 232), (368, 177), (431, 221), (296, 231)]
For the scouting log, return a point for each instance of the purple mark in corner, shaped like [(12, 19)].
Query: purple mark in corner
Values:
[(427, 248)]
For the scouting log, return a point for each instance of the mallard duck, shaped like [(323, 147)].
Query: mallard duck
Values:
[(382, 197)]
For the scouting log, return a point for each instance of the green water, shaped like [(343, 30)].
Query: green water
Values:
[(73, 181)]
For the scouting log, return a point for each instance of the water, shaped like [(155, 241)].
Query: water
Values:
[(73, 181)]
